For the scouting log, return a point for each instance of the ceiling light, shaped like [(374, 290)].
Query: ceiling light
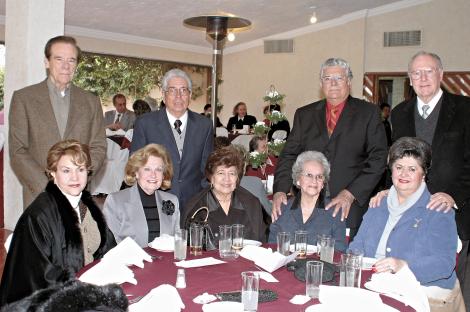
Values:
[(313, 18), (231, 36)]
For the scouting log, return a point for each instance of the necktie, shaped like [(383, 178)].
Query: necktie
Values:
[(118, 118), (425, 111), (177, 125), (331, 124)]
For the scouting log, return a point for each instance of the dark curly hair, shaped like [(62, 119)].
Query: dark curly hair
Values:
[(226, 156)]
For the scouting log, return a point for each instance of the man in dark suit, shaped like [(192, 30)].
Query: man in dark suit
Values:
[(441, 119), (188, 136), (385, 109), (240, 118), (350, 133), (120, 117)]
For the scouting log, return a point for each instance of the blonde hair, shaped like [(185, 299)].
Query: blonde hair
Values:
[(79, 152), (140, 158)]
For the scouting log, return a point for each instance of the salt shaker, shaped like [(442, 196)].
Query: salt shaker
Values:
[(180, 279)]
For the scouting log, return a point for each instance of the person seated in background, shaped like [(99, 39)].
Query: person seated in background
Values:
[(120, 117), (260, 145), (228, 203), (403, 232), (306, 211), (140, 107), (281, 125), (143, 211), (60, 232), (240, 118), (208, 113)]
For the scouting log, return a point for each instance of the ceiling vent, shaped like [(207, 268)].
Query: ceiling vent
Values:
[(279, 46), (402, 38)]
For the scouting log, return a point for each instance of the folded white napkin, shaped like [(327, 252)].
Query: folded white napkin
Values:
[(265, 258), (118, 132), (299, 299), (352, 299), (268, 277), (106, 272), (401, 286), (198, 262), (164, 298), (127, 252), (164, 242), (204, 298)]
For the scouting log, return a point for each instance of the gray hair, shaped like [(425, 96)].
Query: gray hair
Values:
[(336, 61), (304, 157), (175, 73), (424, 53)]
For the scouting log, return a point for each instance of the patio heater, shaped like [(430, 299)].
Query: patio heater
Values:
[(217, 26)]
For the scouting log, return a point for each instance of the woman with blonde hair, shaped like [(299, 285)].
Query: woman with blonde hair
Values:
[(144, 211)]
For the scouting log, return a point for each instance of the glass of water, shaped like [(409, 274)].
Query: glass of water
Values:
[(225, 241), (327, 251), (237, 236), (313, 278), (181, 243), (283, 243), (250, 289)]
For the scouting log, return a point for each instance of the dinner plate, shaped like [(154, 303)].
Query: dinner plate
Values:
[(226, 306), (317, 308), (311, 249), (367, 263), (247, 242)]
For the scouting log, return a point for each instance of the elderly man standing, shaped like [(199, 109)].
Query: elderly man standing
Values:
[(349, 132), (121, 117), (442, 120), (187, 135), (51, 111)]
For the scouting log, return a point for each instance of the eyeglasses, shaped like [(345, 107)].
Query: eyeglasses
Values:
[(173, 92), (330, 79), (313, 177), (419, 73)]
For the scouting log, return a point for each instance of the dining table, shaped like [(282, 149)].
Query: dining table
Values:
[(226, 277)]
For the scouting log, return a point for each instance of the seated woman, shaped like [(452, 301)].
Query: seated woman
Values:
[(142, 211), (306, 211), (60, 232), (402, 232), (281, 125), (260, 145), (228, 202)]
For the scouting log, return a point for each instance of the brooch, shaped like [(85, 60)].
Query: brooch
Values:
[(417, 222), (168, 207)]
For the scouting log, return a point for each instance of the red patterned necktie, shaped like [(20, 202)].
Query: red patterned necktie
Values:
[(331, 123)]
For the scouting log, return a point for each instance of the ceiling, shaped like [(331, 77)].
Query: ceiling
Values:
[(162, 20)]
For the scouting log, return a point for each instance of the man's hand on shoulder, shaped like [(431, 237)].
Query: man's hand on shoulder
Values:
[(441, 201), (279, 198), (377, 199), (342, 201)]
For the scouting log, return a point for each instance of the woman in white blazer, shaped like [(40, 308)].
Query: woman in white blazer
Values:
[(144, 211)]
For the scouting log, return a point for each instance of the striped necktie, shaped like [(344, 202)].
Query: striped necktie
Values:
[(425, 111)]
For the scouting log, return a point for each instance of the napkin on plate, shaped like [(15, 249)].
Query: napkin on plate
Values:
[(204, 298), (198, 262), (268, 277), (299, 299), (401, 286), (164, 298), (266, 258), (106, 272), (127, 252), (164, 242), (352, 299)]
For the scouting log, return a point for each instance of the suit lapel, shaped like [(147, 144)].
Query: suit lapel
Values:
[(319, 118), (408, 121), (44, 108), (74, 111), (446, 115), (190, 136), (164, 126), (344, 119)]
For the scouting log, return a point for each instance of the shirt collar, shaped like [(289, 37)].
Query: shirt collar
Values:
[(431, 103), (53, 88), (183, 119), (74, 201)]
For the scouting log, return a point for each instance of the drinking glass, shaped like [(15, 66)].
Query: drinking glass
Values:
[(327, 251), (237, 236), (181, 243), (283, 243), (225, 241), (250, 288), (313, 278), (319, 239), (301, 243), (356, 256), (195, 239)]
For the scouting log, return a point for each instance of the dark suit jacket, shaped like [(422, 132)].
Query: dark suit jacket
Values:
[(127, 119), (450, 167), (188, 172), (356, 150), (247, 120)]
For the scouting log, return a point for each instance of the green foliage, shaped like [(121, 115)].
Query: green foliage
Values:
[(2, 85)]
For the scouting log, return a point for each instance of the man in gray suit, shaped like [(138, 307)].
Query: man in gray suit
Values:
[(121, 117), (188, 136), (51, 111)]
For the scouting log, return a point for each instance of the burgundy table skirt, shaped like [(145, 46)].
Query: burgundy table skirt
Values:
[(225, 277)]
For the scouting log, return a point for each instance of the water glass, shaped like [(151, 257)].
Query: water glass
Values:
[(195, 239), (319, 239), (283, 243), (225, 241), (327, 251), (250, 289), (313, 278), (355, 256), (237, 236), (301, 244), (181, 243)]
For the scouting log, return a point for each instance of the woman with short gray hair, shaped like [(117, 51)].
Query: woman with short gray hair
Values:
[(306, 211)]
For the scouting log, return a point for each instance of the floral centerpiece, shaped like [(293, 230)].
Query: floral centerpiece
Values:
[(275, 147), (276, 116), (260, 128), (273, 97), (257, 159)]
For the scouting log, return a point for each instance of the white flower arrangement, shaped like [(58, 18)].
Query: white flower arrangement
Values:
[(257, 159), (273, 97), (276, 116), (260, 128), (276, 146)]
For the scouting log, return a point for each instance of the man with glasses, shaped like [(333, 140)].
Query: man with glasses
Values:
[(441, 119), (188, 136), (349, 132)]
